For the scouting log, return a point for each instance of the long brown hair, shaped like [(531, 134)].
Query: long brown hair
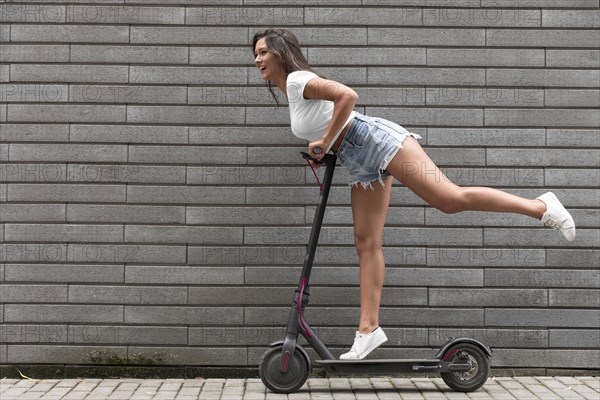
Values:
[(286, 47)]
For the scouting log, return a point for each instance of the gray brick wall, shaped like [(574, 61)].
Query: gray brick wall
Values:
[(154, 204)]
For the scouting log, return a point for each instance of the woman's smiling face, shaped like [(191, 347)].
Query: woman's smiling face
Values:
[(266, 61)]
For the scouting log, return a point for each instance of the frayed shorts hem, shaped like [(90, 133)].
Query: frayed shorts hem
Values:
[(382, 172)]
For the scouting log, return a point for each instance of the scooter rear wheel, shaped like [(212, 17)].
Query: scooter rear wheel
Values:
[(274, 379), (473, 379)]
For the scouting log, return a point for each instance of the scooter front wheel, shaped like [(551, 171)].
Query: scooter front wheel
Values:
[(282, 382), (472, 379)]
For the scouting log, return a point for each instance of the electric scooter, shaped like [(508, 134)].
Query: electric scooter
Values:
[(285, 366)]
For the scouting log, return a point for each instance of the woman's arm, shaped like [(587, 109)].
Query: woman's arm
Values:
[(344, 100)]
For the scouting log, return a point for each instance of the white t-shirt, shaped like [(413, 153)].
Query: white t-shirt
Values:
[(309, 117)]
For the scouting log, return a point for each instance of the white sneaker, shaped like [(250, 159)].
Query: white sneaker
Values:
[(557, 216), (364, 343)]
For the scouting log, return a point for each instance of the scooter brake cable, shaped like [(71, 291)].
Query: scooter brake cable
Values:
[(315, 174)]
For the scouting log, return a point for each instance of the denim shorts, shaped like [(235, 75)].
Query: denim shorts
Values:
[(368, 147)]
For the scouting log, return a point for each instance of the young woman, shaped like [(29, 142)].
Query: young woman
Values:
[(375, 149)]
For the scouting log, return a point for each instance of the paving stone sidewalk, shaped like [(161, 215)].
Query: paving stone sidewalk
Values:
[(499, 388)]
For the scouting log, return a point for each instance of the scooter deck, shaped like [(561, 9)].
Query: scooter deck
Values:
[(383, 366)]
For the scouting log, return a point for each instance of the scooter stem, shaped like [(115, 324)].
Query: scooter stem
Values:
[(329, 160)]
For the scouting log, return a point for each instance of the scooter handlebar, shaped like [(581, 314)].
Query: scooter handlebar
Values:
[(326, 159), (316, 150), (309, 157)]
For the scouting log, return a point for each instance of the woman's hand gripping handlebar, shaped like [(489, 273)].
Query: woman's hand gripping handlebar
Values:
[(313, 162)]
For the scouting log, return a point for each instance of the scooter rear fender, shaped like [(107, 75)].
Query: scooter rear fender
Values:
[(452, 342)]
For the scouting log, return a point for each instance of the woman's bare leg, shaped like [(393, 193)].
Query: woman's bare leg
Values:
[(415, 170), (369, 209)]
